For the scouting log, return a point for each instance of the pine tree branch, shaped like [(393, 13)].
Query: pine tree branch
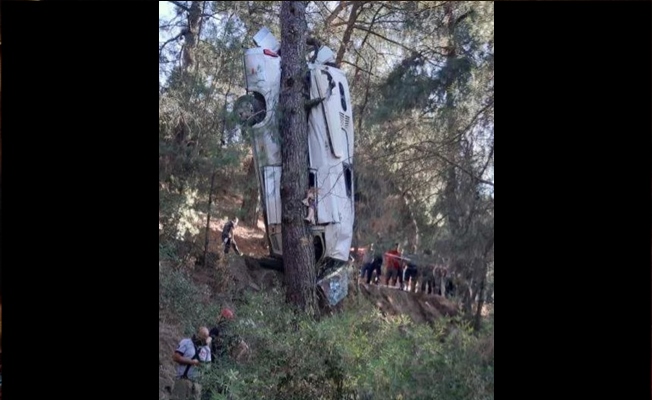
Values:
[(436, 154), (353, 16), (472, 122), (341, 6), (365, 29), (160, 50), (181, 5), (427, 153), (357, 67)]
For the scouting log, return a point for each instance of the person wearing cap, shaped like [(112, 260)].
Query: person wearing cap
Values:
[(228, 340), (219, 333)]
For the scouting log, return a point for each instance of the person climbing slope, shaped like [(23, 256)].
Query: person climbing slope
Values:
[(227, 236), (191, 352)]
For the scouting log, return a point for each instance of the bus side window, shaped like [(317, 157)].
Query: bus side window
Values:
[(348, 177)]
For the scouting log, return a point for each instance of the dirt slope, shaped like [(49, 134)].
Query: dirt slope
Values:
[(420, 307), (246, 273)]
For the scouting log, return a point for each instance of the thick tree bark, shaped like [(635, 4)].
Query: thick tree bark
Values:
[(298, 251)]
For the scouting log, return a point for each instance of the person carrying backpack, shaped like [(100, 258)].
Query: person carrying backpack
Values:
[(191, 352)]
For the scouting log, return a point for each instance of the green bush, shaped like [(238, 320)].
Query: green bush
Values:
[(182, 299), (354, 354)]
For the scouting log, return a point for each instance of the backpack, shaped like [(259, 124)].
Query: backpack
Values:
[(219, 341), (223, 340), (214, 334), (198, 355)]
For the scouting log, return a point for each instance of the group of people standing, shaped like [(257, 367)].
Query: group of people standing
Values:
[(406, 272)]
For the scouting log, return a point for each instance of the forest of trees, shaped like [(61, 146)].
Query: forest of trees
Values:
[(421, 75)]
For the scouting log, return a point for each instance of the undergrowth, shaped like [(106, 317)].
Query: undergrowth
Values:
[(354, 354), (184, 302)]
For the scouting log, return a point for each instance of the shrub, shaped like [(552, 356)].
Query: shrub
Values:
[(181, 300), (355, 354)]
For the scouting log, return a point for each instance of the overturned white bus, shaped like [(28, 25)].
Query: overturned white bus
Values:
[(330, 145)]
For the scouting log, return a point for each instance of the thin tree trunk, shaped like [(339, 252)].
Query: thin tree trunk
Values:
[(413, 232), (208, 220), (190, 42), (477, 323), (191, 33), (347, 33), (298, 251), (467, 300)]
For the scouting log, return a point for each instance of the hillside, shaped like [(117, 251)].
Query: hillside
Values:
[(364, 122), (228, 280)]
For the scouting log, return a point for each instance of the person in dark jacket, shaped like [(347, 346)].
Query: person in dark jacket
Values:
[(227, 236), (220, 334), (373, 260)]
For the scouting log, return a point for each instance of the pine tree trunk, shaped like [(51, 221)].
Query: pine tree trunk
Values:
[(191, 33), (298, 251), (190, 42)]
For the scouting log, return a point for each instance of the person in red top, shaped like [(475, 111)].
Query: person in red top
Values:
[(393, 265)]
